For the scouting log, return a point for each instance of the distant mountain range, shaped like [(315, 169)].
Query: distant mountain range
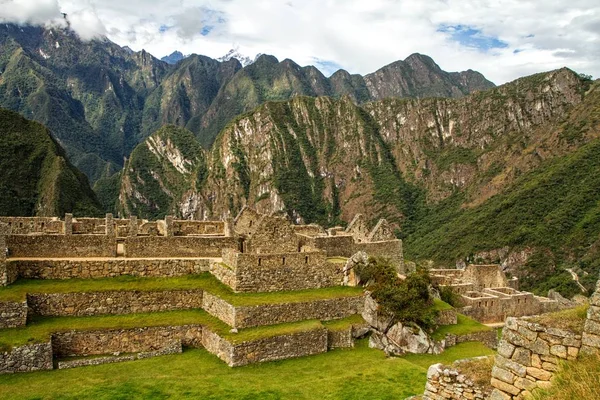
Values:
[(100, 100)]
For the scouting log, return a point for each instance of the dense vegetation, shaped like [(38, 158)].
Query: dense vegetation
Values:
[(408, 300), (35, 176)]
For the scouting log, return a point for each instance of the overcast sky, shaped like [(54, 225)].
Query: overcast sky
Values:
[(503, 39)]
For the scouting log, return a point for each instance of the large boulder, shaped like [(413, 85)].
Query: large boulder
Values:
[(350, 278), (401, 339), (374, 316)]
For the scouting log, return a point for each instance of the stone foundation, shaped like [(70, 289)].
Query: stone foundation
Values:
[(340, 338), (489, 338), (13, 314)]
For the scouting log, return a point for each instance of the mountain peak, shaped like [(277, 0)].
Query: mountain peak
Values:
[(235, 53), (174, 57)]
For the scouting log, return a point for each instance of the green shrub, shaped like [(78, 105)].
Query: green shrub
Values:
[(408, 300)]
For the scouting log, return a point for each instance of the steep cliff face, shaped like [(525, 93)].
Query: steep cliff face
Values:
[(36, 179), (159, 172)]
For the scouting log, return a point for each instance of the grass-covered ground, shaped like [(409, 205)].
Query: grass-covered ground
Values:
[(464, 326), (359, 373), (572, 319), (18, 290), (578, 379)]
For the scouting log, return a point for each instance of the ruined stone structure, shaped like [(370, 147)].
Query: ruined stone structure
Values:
[(254, 253), (488, 296), (447, 383)]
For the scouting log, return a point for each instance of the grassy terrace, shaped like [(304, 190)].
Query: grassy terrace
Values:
[(464, 326), (39, 329), (572, 319), (18, 290), (358, 373)]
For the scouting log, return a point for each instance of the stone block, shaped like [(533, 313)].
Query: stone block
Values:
[(505, 387), (522, 356), (592, 327), (527, 333), (539, 374), (517, 369), (559, 351), (524, 384), (499, 395), (572, 352), (503, 375), (549, 367), (505, 349), (591, 340), (515, 338), (539, 347)]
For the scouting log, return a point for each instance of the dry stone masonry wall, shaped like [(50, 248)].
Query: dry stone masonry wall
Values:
[(528, 356), (444, 383), (31, 357), (591, 330), (112, 302), (13, 314)]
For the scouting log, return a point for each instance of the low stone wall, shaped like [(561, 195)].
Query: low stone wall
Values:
[(279, 347), (172, 347), (333, 246), (8, 273), (447, 317), (219, 308), (528, 356), (112, 302), (270, 314), (489, 338), (223, 273), (67, 269), (27, 225), (13, 314), (79, 343), (31, 357), (447, 383), (340, 339), (59, 246), (177, 246), (591, 330)]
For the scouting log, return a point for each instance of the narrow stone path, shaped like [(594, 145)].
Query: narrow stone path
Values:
[(576, 280)]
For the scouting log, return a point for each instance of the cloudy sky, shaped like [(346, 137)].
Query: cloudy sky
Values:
[(503, 39)]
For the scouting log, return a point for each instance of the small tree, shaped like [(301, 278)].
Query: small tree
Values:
[(408, 300)]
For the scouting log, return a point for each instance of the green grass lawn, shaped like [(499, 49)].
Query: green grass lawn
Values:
[(359, 373), (18, 290), (464, 326)]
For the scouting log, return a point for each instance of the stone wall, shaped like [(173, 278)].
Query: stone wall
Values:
[(276, 272), (29, 225), (13, 314), (67, 269), (528, 355), (447, 383), (186, 228), (78, 343), (112, 302), (219, 308), (273, 235), (59, 246), (31, 357), (391, 249), (8, 273), (324, 310), (340, 339), (489, 338), (447, 317), (89, 226), (333, 246), (591, 330), (279, 347), (177, 246)]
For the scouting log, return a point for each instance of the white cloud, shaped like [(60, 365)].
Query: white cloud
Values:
[(360, 35)]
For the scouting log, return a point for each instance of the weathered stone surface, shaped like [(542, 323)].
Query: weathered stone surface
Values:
[(539, 373), (31, 357), (503, 375), (505, 349), (375, 317), (13, 314), (446, 383), (505, 387)]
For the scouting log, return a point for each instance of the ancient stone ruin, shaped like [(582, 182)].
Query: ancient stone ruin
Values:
[(254, 253), (488, 296)]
